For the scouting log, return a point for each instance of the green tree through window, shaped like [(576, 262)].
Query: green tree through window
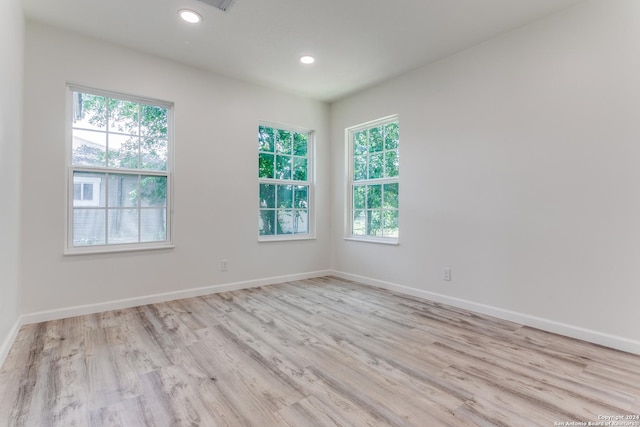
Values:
[(374, 175), (120, 151), (283, 180)]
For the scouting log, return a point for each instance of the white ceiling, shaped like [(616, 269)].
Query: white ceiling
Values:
[(357, 43)]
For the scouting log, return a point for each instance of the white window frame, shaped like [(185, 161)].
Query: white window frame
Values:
[(310, 182), (349, 157), (70, 249)]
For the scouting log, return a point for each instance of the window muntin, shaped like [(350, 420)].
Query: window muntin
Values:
[(284, 182), (120, 175), (374, 181)]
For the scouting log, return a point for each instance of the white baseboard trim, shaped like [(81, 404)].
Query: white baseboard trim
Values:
[(607, 340), (9, 340), (80, 310)]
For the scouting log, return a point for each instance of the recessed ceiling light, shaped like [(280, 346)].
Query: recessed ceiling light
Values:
[(189, 16), (307, 59)]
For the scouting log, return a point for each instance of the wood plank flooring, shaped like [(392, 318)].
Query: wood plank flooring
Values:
[(320, 352)]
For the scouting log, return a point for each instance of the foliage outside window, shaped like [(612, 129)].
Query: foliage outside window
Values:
[(374, 181), (120, 171), (284, 181)]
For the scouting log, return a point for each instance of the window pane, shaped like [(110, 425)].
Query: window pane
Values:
[(359, 223), (153, 154), (267, 196), (89, 111), (360, 144), (153, 191), (267, 222), (299, 169), (88, 227), (153, 225), (265, 165), (285, 221), (89, 189), (89, 148), (123, 226), (284, 142), (375, 166), (391, 163), (359, 196), (153, 121), (391, 138), (390, 219), (123, 116), (123, 151), (391, 196), (123, 191), (265, 139), (374, 196), (359, 168), (87, 192), (301, 222), (375, 140), (374, 223), (301, 197), (283, 167), (285, 196), (300, 141)]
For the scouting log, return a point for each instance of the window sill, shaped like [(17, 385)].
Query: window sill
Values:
[(378, 240), (90, 250)]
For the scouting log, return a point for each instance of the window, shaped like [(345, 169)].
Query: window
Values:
[(119, 173), (373, 181), (86, 191), (284, 181)]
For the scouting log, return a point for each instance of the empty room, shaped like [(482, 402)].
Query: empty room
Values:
[(320, 213)]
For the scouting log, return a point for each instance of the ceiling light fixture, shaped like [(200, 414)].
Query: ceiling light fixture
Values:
[(189, 16), (307, 59)]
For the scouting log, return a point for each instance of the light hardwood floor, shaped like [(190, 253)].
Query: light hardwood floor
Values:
[(320, 352)]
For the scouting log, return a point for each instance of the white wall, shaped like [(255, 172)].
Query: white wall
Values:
[(520, 170), (216, 122), (11, 58)]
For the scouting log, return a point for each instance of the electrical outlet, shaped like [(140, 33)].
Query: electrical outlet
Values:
[(446, 274), (224, 265)]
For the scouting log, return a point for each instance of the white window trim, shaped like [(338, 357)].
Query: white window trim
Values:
[(348, 211), (311, 179), (69, 248)]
